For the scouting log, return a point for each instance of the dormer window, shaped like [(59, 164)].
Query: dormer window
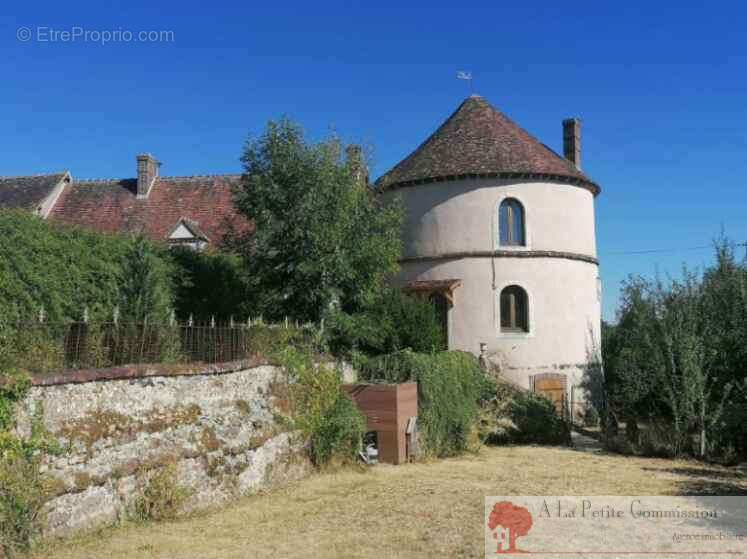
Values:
[(511, 231), (188, 233)]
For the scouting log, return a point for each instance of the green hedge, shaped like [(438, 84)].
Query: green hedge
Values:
[(70, 273), (68, 269), (451, 388)]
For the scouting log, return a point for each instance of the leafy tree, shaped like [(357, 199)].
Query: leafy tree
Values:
[(321, 236), (677, 357), (724, 315), (211, 283), (679, 346), (627, 354)]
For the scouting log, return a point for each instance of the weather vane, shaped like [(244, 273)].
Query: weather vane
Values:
[(462, 75)]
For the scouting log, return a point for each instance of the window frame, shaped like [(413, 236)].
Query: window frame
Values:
[(512, 205), (495, 223), (514, 328)]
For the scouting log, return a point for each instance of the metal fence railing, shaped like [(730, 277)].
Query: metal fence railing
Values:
[(44, 346)]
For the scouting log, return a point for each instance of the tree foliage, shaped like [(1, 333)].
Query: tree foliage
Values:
[(321, 236), (145, 291), (211, 283), (677, 357), (390, 322)]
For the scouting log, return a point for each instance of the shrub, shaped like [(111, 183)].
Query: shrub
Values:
[(23, 490), (338, 434), (591, 416), (328, 417), (516, 415), (14, 385), (162, 497), (537, 420), (656, 439), (391, 322), (451, 388), (22, 496), (273, 340)]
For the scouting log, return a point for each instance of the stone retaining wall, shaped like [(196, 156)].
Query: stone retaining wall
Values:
[(221, 427)]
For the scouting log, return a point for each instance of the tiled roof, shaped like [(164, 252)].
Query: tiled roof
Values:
[(27, 193), (112, 205), (478, 140)]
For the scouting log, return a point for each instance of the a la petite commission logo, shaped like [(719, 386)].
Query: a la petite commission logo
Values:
[(508, 522), (615, 526)]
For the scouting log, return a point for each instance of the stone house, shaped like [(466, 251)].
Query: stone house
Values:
[(193, 211), (499, 232)]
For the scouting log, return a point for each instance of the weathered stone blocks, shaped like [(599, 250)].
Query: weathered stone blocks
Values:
[(220, 430)]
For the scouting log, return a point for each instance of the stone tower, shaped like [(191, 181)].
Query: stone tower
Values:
[(499, 229)]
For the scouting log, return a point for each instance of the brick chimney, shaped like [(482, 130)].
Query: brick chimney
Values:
[(355, 160), (572, 141), (147, 171)]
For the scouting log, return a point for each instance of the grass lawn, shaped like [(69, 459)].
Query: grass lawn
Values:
[(417, 510)]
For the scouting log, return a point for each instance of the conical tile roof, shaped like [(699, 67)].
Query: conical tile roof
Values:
[(478, 140)]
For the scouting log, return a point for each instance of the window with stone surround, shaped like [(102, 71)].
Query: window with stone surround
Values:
[(511, 230), (514, 309)]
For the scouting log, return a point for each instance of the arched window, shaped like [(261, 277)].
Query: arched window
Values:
[(511, 223), (514, 309)]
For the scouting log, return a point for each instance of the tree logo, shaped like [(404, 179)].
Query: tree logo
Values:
[(508, 522)]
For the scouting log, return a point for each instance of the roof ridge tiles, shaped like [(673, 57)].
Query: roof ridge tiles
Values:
[(3, 177), (103, 179), (177, 177), (164, 177)]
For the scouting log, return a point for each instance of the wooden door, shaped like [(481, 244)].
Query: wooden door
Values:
[(552, 386)]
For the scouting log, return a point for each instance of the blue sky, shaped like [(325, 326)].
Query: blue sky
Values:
[(661, 88)]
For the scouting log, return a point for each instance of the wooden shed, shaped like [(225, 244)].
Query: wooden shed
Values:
[(389, 409)]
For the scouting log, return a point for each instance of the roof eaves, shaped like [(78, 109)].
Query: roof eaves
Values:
[(590, 185)]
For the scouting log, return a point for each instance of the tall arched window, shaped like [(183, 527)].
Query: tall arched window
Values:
[(511, 223), (514, 309)]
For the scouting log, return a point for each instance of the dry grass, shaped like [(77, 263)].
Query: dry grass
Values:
[(418, 510)]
